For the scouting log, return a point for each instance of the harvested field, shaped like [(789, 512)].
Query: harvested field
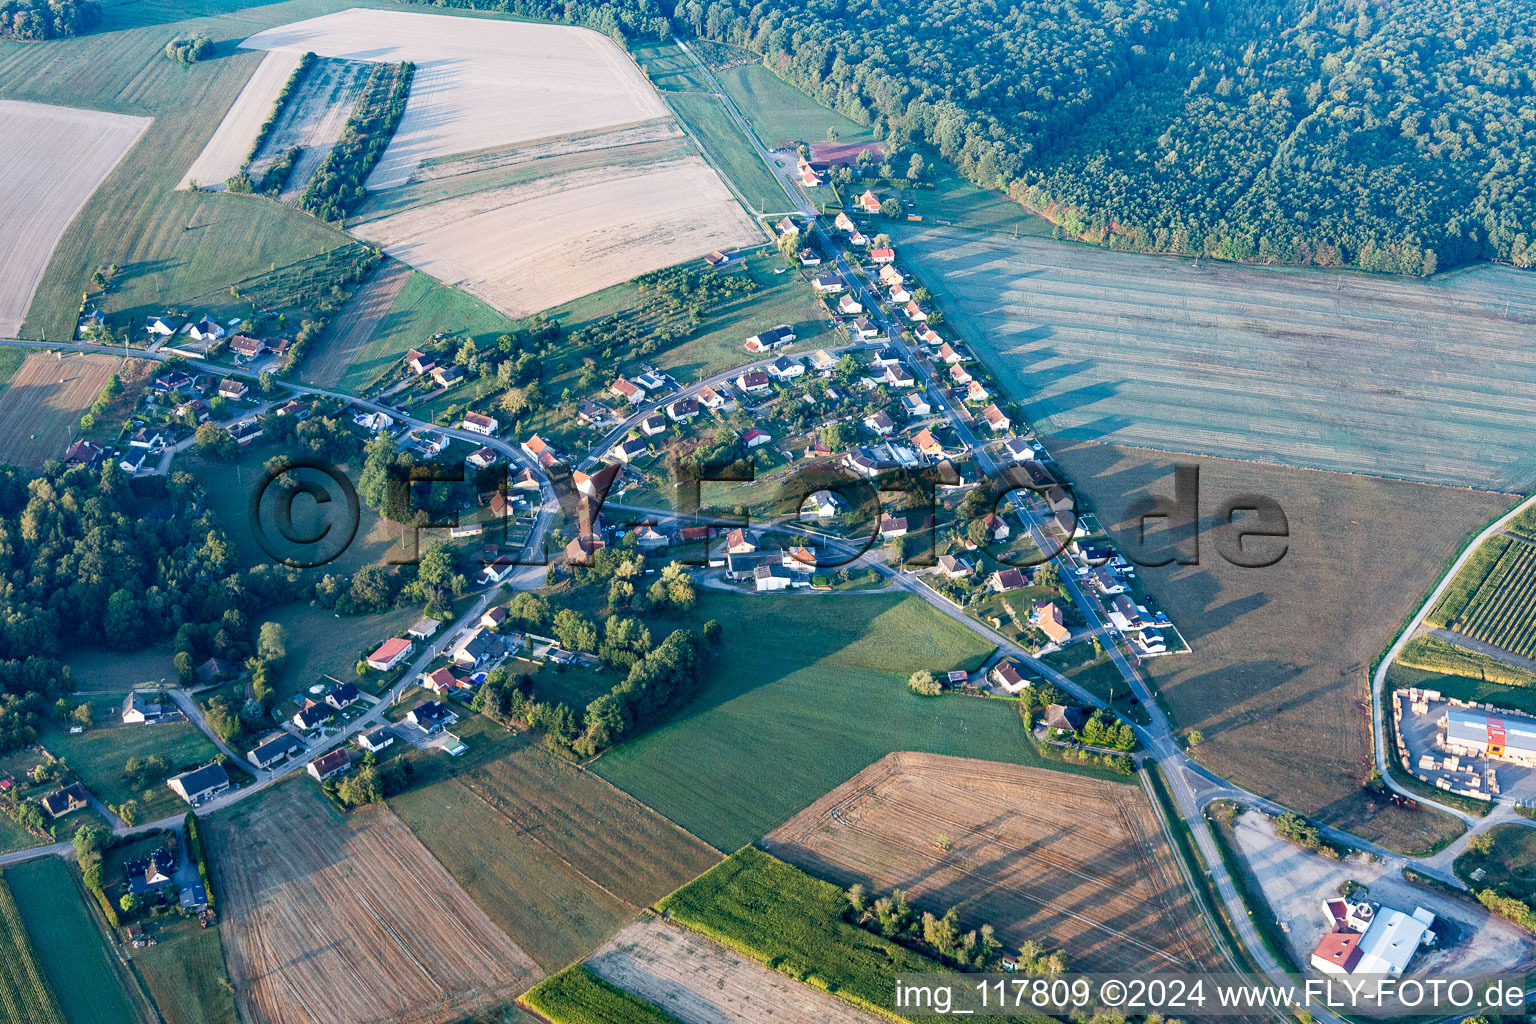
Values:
[(1433, 381), (1277, 678), (56, 157), (528, 247), (41, 406), (701, 982), (354, 325), (478, 83), (225, 153), (312, 119), (1075, 863), (330, 918)]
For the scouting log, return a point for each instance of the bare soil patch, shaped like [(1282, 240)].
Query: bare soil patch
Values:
[(700, 982), (1277, 678), (353, 325), (55, 157), (41, 406), (231, 141), (331, 918), (1076, 863), (1296, 881), (479, 83), (532, 246)]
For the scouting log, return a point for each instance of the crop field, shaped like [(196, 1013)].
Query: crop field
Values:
[(59, 155), (479, 83), (350, 918), (527, 247), (226, 151), (808, 713), (578, 996), (41, 406), (556, 857), (354, 325), (1277, 679), (1077, 864), (25, 997), (1502, 611), (1428, 381), (82, 970), (170, 244), (698, 981)]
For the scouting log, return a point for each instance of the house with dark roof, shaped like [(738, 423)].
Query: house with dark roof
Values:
[(312, 715), (432, 716), (343, 696), (65, 801), (153, 872), (275, 747), (329, 764), (200, 785)]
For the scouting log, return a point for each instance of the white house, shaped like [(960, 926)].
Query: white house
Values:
[(389, 654), (480, 424), (785, 368)]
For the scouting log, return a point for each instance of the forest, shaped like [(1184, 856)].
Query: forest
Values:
[(1396, 138), (47, 19)]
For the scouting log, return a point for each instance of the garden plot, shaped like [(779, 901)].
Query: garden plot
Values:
[(225, 153), (1078, 864), (55, 157), (1433, 381), (528, 247), (479, 83)]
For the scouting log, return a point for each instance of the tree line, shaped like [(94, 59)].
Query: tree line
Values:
[(47, 19), (337, 186)]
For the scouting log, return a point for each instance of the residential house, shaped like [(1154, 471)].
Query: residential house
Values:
[(1126, 615), (949, 354), (447, 376), (717, 259), (821, 505), (879, 422), (389, 654), (200, 785), (498, 569), (246, 431), (133, 460), (1046, 617), (141, 708), (785, 368), (483, 648), (683, 409), (482, 458), (273, 748), (954, 567), (829, 284), (493, 617), (899, 376), (312, 715), (594, 414), (1106, 582), (711, 397), (753, 381), (599, 483), (996, 529), (1064, 718), (889, 275), (146, 874), (443, 682), (480, 424), (755, 437), (431, 716), (925, 442), (892, 527), (343, 696), (774, 337), (787, 226), (535, 447), (916, 405), (419, 362), (823, 361), (928, 336), (810, 257), (996, 419), (631, 392), (233, 389), (883, 255), (374, 422), (974, 392), (1005, 675), (627, 451), (899, 294), (147, 438), (214, 669), (1004, 581), (864, 327), (1038, 475), (205, 330), (869, 202), (844, 223), (766, 578), (376, 740), (84, 453), (849, 306), (245, 347), (65, 801), (293, 407), (329, 764), (430, 443), (800, 558), (653, 425), (914, 312), (740, 542), (1067, 522), (649, 538), (162, 326)]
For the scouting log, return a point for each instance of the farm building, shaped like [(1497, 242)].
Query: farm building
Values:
[(1477, 733), (200, 785)]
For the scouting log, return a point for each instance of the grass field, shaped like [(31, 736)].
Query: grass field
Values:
[(119, 671), (84, 973), (1077, 864), (1509, 868), (25, 997), (184, 971), (778, 915), (97, 756), (1462, 687), (1404, 378), (351, 913), (781, 114), (1278, 675), (556, 857), (1437, 653), (171, 245), (577, 996), (1502, 611), (10, 361), (808, 693), (40, 407)]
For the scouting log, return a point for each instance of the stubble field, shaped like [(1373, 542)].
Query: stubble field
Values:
[(354, 325), (1277, 679), (1075, 863), (699, 981), (55, 159), (231, 142), (40, 407), (330, 918), (1433, 381)]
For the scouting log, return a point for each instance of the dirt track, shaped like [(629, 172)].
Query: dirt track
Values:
[(700, 982), (330, 919), (354, 324), (1075, 863), (55, 157)]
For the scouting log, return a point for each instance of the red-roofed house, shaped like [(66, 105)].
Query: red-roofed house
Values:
[(389, 654), (631, 392), (869, 202), (996, 419), (1046, 617), (883, 255)]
